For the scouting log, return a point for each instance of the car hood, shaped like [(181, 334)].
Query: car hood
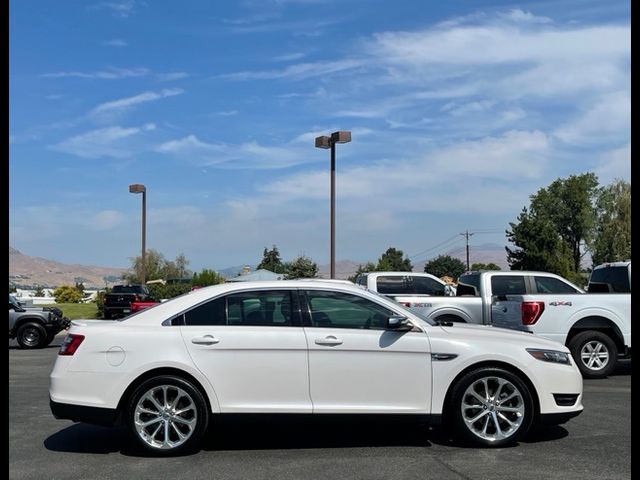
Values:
[(467, 332)]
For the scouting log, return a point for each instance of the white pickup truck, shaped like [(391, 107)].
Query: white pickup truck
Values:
[(596, 327)]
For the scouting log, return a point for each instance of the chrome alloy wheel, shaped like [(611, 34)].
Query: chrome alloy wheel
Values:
[(492, 408), (595, 355), (165, 417)]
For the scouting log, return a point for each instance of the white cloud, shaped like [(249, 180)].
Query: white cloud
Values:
[(615, 164), (116, 42), (168, 77), (108, 74), (227, 113), (106, 220), (123, 104), (120, 9), (104, 142), (298, 71), (289, 57), (244, 155), (608, 120)]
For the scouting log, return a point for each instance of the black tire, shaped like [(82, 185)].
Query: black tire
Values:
[(472, 432), (200, 413), (50, 337), (31, 335), (591, 367)]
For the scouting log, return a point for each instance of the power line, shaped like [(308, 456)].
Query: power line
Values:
[(434, 247)]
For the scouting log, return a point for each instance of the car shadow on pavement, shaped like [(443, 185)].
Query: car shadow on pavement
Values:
[(284, 432), (84, 438), (258, 432)]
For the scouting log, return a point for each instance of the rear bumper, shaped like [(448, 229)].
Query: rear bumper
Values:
[(81, 413)]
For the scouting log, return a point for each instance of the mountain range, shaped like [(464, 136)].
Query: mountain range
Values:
[(27, 271)]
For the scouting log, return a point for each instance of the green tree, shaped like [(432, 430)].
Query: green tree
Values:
[(157, 267), (445, 265), (301, 267), (485, 266), (368, 267), (79, 287), (271, 261), (12, 289), (39, 292), (206, 277), (67, 294), (559, 221), (392, 261), (612, 236), (539, 245)]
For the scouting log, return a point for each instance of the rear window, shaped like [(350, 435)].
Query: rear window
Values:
[(610, 279), (468, 285), (127, 289), (508, 285), (391, 285)]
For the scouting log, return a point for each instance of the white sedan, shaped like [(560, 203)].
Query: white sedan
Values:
[(305, 347)]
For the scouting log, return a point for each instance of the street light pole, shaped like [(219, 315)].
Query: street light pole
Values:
[(325, 142), (333, 211), (139, 188)]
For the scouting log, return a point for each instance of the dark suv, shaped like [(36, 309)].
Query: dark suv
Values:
[(34, 327)]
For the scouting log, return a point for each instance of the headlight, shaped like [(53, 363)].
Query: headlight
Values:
[(552, 356)]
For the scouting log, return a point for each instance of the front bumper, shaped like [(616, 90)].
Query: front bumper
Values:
[(81, 413), (558, 418)]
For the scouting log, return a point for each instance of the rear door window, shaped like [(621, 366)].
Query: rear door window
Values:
[(418, 285), (552, 285)]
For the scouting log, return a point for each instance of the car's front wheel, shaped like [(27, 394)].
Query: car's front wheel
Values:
[(491, 407), (167, 415), (31, 335)]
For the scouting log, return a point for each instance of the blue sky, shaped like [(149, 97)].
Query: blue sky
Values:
[(458, 111)]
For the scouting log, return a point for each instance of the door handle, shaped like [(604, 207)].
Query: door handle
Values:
[(330, 340), (206, 340)]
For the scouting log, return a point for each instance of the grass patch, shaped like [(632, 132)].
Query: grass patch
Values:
[(75, 311)]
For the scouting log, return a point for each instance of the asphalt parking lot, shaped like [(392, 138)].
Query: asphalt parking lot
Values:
[(596, 444)]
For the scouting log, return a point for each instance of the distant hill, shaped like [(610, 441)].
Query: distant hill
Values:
[(27, 271)]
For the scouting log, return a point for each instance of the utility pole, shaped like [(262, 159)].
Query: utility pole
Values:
[(466, 234)]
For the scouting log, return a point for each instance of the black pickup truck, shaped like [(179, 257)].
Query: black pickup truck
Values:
[(118, 302)]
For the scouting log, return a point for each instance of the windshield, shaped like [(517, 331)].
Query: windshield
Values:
[(403, 307)]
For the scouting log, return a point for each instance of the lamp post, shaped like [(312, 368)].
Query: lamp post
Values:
[(139, 188), (325, 142)]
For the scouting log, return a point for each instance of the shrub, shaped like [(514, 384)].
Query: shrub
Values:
[(159, 291), (67, 294)]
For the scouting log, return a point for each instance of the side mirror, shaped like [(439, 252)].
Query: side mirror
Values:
[(399, 323)]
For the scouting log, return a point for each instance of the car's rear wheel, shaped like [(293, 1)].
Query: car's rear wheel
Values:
[(491, 407), (31, 335), (167, 415), (595, 353)]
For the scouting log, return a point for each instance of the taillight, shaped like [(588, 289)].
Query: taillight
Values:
[(531, 312), (135, 298), (71, 344)]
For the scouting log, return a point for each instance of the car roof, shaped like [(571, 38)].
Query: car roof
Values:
[(194, 297), (626, 263)]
